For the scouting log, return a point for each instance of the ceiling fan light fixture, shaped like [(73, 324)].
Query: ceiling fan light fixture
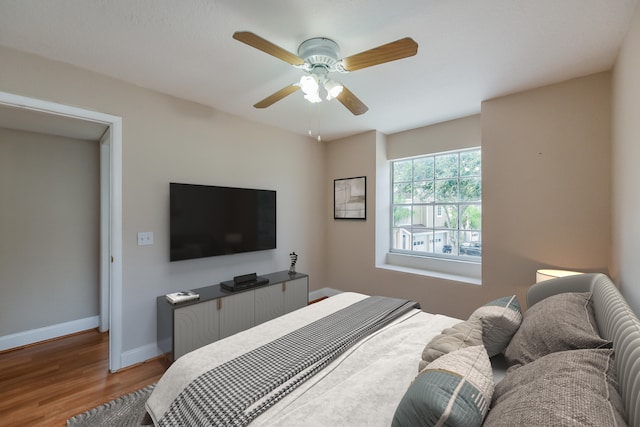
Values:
[(311, 88), (333, 89), (309, 84), (313, 98)]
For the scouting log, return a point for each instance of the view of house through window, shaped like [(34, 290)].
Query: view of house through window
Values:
[(437, 205)]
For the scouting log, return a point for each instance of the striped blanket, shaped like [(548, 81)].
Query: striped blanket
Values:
[(236, 392)]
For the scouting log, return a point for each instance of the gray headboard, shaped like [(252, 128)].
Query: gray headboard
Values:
[(615, 321)]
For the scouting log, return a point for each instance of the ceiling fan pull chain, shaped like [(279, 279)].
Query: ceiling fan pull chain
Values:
[(311, 110)]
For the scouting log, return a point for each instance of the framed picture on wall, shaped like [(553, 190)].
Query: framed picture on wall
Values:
[(350, 198)]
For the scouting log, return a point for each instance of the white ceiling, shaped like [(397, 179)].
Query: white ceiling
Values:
[(469, 51)]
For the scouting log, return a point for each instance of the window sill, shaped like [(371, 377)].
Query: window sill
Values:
[(459, 271)]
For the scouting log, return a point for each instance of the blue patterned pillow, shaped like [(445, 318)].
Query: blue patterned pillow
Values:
[(501, 319), (453, 390)]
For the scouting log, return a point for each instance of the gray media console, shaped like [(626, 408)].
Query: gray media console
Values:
[(219, 313)]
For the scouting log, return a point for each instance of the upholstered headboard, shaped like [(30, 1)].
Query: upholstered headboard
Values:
[(616, 322)]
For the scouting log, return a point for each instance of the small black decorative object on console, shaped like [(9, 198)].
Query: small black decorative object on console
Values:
[(294, 259)]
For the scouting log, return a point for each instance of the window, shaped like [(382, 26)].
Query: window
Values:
[(437, 206)]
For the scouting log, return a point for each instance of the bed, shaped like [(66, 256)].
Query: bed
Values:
[(374, 381), (387, 357)]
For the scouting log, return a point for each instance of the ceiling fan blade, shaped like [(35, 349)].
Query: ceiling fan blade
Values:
[(266, 46), (273, 98), (398, 49), (353, 104)]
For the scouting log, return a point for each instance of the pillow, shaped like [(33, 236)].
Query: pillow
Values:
[(500, 320), (560, 322), (454, 390), (463, 334), (568, 388)]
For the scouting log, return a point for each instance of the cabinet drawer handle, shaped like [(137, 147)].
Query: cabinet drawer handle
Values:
[(284, 286), (219, 303)]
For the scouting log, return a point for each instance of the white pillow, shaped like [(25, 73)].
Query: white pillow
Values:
[(460, 335)]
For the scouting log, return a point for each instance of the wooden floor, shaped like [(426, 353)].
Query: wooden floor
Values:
[(48, 383)]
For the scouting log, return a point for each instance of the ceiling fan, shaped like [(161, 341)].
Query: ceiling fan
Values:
[(319, 57)]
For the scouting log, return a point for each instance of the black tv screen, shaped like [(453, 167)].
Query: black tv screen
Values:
[(209, 221)]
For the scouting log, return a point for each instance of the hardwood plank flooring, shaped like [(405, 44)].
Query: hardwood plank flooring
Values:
[(45, 384)]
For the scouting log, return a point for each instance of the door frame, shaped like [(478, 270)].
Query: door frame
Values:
[(105, 229), (110, 210)]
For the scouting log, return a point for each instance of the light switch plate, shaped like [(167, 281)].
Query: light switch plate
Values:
[(145, 238)]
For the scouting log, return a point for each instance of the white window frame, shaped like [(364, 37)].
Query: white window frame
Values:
[(462, 269)]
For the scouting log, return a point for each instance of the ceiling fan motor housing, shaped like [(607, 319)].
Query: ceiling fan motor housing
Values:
[(320, 52)]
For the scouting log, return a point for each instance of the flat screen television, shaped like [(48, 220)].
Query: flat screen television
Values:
[(208, 221)]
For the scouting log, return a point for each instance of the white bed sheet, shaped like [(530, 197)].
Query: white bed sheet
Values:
[(362, 387)]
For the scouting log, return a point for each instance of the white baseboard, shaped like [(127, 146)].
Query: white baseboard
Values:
[(48, 332), (323, 292)]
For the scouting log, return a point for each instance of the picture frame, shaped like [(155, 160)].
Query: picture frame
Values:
[(350, 198)]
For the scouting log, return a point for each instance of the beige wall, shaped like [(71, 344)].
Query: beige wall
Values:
[(166, 139), (49, 223), (546, 182), (450, 135), (626, 173), (547, 144), (350, 242)]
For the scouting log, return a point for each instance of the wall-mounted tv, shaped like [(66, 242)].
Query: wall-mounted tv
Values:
[(206, 221)]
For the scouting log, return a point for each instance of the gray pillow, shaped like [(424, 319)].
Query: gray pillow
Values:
[(460, 335), (454, 390), (500, 320), (568, 388), (560, 322)]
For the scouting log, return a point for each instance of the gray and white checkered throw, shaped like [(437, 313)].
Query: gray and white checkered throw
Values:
[(236, 392)]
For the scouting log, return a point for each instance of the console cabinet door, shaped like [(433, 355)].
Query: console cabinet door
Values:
[(296, 294), (195, 326), (269, 303), (236, 313)]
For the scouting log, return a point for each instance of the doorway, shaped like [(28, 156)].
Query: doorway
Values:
[(47, 117)]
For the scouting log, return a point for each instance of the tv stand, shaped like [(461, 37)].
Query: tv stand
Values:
[(219, 313)]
